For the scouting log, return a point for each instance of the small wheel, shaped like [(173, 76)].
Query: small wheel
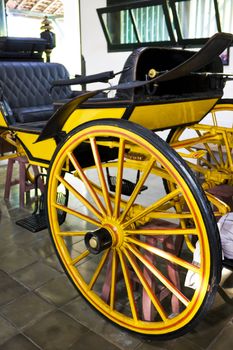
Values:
[(122, 243), (207, 146)]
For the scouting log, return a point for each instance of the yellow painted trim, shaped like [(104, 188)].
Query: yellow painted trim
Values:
[(162, 116), (81, 116), (2, 120), (42, 150)]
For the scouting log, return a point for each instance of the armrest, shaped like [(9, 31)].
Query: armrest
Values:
[(103, 77)]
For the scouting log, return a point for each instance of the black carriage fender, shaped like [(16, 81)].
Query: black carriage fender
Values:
[(58, 119)]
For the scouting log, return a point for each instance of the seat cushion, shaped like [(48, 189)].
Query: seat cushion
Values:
[(31, 114)]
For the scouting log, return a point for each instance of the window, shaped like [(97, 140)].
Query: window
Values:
[(196, 18), (225, 8), (127, 25), (151, 23)]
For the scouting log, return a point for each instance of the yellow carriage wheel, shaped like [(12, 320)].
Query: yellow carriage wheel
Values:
[(122, 243), (207, 147)]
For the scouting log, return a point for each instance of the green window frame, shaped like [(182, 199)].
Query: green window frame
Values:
[(182, 23)]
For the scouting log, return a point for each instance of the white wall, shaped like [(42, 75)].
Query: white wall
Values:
[(18, 26), (71, 42), (228, 91), (94, 45)]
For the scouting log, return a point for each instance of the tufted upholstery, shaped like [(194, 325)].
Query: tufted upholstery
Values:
[(26, 88)]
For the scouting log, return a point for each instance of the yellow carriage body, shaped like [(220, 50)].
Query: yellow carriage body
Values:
[(151, 116)]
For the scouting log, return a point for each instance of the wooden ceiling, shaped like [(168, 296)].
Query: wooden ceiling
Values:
[(47, 7)]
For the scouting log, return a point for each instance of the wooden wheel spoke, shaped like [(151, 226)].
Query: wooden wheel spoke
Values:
[(83, 200), (138, 187), (159, 275), (111, 196), (128, 284), (170, 215), (77, 214), (162, 231), (101, 175), (120, 168), (80, 257), (113, 279), (71, 233), (153, 207), (86, 182), (98, 269), (165, 255), (146, 286)]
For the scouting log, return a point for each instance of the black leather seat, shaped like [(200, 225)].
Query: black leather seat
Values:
[(26, 87)]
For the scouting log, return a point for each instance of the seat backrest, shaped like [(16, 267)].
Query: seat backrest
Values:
[(25, 49), (27, 84), (142, 60)]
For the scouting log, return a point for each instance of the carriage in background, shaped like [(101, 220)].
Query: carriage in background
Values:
[(133, 219)]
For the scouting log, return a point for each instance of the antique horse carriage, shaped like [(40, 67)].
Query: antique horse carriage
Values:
[(132, 217)]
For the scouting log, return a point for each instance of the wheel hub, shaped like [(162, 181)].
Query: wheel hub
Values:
[(98, 240)]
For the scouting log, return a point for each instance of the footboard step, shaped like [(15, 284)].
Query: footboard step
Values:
[(127, 187), (33, 223)]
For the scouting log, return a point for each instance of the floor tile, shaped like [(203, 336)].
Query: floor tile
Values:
[(172, 344), (7, 331), (120, 337), (53, 261), (19, 236), (10, 289), (93, 341), (81, 311), (42, 247), (14, 212), (183, 344), (9, 231), (19, 342), (154, 345), (211, 325), (224, 340), (85, 314), (59, 291), (56, 331), (5, 247), (16, 260), (35, 275), (26, 310)]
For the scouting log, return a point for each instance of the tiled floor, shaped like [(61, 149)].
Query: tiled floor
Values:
[(40, 309)]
